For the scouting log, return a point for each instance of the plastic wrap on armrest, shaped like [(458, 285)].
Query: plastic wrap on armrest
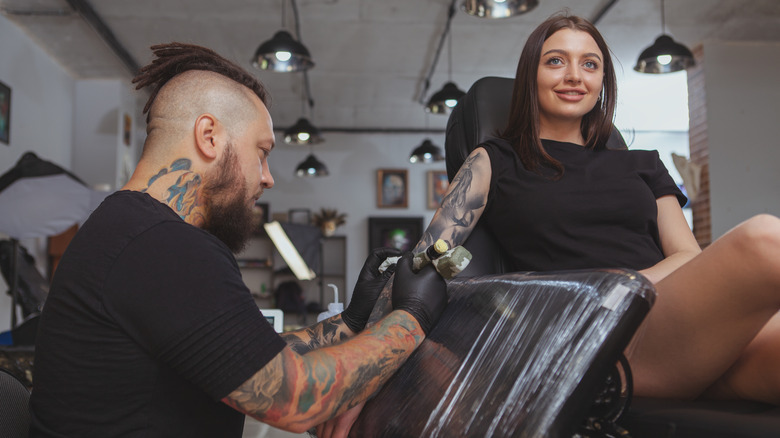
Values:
[(513, 355)]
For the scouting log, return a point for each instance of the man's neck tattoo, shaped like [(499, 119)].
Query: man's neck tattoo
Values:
[(182, 195)]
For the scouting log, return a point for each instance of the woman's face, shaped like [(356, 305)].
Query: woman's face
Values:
[(569, 78)]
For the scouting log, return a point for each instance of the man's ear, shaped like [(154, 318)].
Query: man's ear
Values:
[(208, 135)]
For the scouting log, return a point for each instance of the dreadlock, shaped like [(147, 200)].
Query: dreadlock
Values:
[(174, 58)]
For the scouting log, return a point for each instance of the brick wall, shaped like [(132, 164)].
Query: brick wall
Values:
[(697, 114)]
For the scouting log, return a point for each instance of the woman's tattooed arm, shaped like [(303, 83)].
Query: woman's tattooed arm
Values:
[(460, 210)]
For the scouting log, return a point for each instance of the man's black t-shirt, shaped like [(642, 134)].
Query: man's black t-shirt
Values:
[(147, 326), (601, 213)]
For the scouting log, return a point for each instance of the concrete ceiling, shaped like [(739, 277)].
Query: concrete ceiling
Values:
[(372, 56)]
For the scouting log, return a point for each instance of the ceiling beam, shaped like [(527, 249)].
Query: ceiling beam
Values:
[(601, 12), (98, 25), (370, 130)]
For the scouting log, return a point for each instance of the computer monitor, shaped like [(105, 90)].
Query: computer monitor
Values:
[(275, 317)]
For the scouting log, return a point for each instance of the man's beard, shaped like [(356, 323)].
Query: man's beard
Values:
[(228, 217)]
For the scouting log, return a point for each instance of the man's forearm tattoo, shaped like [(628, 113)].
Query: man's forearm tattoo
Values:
[(328, 332), (297, 390)]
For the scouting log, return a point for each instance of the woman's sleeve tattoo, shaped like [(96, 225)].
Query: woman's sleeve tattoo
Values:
[(453, 222)]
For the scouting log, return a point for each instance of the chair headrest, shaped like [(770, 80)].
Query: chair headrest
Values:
[(480, 114)]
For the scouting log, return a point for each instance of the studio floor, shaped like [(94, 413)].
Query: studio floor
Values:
[(256, 429)]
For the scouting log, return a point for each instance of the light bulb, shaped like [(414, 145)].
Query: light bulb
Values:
[(451, 102), (283, 56), (303, 136), (664, 59)]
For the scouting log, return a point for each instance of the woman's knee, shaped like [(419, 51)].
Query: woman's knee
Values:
[(759, 229), (758, 240)]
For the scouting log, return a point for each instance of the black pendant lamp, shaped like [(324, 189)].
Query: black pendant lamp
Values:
[(665, 55), (427, 152), (283, 53), (302, 132), (311, 167), (442, 101), (498, 8)]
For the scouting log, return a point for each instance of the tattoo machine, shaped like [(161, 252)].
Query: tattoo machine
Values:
[(449, 262)]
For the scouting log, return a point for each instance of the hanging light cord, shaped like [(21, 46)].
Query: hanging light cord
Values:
[(445, 32), (449, 56), (284, 14), (663, 18), (306, 84)]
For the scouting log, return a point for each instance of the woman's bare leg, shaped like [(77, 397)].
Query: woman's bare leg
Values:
[(707, 313), (755, 375)]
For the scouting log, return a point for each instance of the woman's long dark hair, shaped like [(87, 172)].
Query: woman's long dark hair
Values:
[(522, 130)]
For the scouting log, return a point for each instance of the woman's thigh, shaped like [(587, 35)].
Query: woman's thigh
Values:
[(708, 311), (755, 375)]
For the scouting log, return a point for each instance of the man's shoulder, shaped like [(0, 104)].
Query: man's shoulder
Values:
[(134, 212), (133, 203), (125, 217)]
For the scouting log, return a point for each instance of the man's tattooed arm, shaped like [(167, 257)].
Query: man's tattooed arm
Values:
[(460, 210), (326, 332), (295, 392)]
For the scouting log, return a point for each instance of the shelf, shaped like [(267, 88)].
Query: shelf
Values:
[(259, 273), (254, 263)]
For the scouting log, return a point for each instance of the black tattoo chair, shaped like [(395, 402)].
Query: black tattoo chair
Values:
[(479, 115), (516, 354), (14, 410)]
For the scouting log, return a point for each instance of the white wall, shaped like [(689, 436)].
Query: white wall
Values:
[(100, 156), (742, 120), (741, 108), (42, 95), (41, 100), (352, 160)]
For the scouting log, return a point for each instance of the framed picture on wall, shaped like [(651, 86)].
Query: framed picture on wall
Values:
[(394, 232), (392, 188), (437, 187), (5, 113), (260, 214), (300, 216), (127, 129)]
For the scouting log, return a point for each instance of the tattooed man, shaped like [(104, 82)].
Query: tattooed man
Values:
[(149, 330)]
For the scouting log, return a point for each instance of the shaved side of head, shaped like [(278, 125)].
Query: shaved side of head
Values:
[(192, 93), (186, 81)]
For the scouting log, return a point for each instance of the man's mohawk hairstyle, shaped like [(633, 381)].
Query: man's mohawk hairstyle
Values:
[(174, 58)]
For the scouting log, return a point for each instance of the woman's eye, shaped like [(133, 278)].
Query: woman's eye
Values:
[(591, 64), (555, 61)]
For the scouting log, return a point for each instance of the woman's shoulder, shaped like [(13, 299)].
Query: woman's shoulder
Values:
[(636, 154), (642, 160), (496, 146)]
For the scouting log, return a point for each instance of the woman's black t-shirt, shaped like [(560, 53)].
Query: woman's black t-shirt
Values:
[(601, 213)]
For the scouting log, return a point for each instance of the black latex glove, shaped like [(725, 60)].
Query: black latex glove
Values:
[(423, 294), (367, 288)]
